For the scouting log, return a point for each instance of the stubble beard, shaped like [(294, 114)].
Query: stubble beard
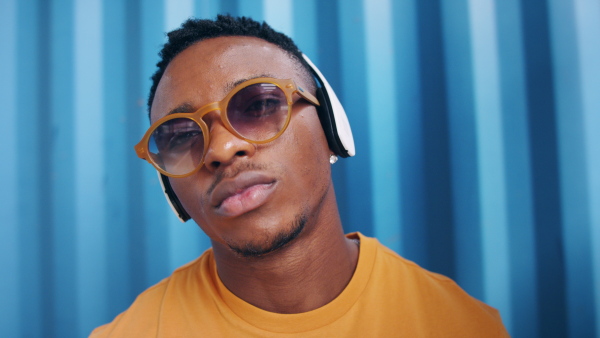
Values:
[(285, 236)]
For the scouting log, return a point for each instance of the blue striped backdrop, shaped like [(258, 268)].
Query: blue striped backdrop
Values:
[(477, 125)]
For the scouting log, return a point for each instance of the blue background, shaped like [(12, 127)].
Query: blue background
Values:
[(477, 125)]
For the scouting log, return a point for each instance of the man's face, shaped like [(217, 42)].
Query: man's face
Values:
[(246, 196)]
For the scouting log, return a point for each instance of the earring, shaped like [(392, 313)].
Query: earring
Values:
[(333, 158)]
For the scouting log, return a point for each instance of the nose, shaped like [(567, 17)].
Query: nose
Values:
[(224, 147)]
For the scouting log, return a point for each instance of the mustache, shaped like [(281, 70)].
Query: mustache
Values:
[(232, 172)]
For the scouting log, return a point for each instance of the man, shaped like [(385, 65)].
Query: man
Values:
[(244, 138)]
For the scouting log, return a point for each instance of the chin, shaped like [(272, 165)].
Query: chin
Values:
[(259, 247)]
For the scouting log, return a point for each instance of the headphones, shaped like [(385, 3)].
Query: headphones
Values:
[(333, 120)]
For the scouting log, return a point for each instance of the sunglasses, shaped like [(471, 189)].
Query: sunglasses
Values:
[(257, 111)]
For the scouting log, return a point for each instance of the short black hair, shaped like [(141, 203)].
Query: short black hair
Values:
[(195, 30)]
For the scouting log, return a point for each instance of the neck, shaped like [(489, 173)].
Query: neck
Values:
[(306, 274)]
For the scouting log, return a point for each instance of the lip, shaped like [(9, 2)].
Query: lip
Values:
[(245, 192)]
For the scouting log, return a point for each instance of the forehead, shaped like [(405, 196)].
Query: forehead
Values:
[(206, 71)]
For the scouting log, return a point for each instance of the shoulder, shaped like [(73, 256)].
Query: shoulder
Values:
[(427, 298), (139, 317), (143, 315)]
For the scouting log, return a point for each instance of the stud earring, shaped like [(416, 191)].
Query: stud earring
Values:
[(333, 158)]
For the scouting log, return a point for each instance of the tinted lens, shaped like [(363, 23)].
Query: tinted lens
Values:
[(177, 146), (258, 112)]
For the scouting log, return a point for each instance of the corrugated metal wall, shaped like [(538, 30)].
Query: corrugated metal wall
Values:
[(477, 125)]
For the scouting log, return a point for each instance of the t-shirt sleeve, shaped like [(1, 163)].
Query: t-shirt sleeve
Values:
[(139, 320)]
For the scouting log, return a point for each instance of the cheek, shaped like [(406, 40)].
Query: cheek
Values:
[(311, 152), (189, 192), (300, 158)]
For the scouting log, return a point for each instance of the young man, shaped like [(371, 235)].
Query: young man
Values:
[(244, 138)]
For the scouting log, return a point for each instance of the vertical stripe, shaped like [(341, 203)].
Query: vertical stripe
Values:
[(230, 7), (207, 9), (31, 242), (251, 8), (352, 91), (278, 14), (439, 223), (89, 167), (326, 55), (408, 81), (304, 27), (45, 145), (328, 43), (466, 202), (491, 156), (517, 170), (409, 128), (383, 149), (547, 209), (587, 25), (114, 116), (9, 231), (573, 188), (176, 12), (61, 168), (134, 108)]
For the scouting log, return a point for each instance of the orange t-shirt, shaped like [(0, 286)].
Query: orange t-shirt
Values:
[(388, 296)]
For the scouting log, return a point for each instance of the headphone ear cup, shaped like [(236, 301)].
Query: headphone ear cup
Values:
[(333, 116), (327, 119), (172, 198)]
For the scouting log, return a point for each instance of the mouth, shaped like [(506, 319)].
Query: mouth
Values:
[(245, 192)]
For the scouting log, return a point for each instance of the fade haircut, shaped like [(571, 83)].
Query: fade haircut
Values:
[(196, 30)]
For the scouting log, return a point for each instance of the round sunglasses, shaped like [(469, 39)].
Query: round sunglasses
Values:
[(257, 111)]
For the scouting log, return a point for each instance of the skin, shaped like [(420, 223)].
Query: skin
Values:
[(314, 267)]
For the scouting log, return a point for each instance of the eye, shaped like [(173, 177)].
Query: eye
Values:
[(177, 135), (262, 106), (182, 139)]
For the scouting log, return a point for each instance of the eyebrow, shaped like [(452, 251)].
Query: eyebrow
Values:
[(183, 108), (189, 108), (232, 85)]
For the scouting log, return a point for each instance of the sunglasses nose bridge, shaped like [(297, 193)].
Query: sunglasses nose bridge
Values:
[(207, 109), (210, 114)]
